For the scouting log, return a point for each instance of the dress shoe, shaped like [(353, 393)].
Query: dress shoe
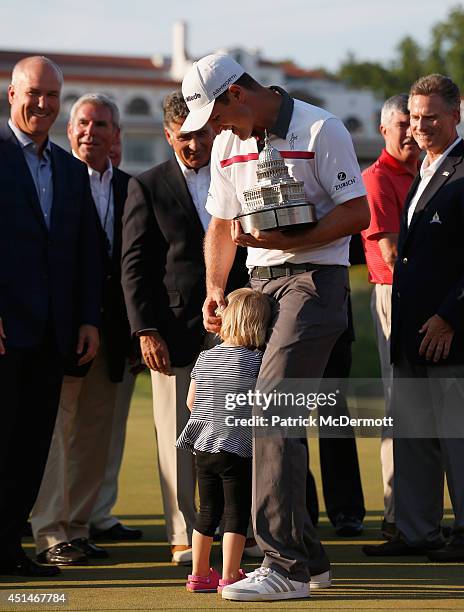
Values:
[(28, 567), (90, 550), (116, 533), (389, 530), (348, 526), (62, 554), (181, 554), (399, 548), (451, 552)]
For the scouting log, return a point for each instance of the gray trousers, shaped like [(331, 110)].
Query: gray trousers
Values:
[(428, 402), (310, 315)]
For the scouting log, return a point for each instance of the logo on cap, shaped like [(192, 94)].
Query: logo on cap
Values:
[(230, 80), (195, 96)]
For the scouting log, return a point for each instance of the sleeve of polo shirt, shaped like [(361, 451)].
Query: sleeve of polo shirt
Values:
[(382, 204), (336, 165), (222, 201)]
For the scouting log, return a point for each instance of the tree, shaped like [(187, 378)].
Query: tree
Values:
[(408, 66), (370, 75), (435, 60), (444, 54), (448, 46)]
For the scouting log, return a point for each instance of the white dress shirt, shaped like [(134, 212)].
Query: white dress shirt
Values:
[(198, 185), (427, 171)]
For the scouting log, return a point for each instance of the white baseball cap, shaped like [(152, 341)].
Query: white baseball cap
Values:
[(204, 82)]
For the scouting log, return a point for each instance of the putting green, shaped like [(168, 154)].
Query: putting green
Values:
[(139, 576)]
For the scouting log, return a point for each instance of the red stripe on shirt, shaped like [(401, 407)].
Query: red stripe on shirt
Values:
[(297, 154), (237, 159)]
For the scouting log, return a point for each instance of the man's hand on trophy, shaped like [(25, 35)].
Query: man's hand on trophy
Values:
[(272, 239), (155, 352), (212, 308)]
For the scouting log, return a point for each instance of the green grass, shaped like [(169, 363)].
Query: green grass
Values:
[(365, 357), (139, 576)]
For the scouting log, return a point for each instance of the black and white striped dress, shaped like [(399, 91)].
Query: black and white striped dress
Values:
[(221, 374)]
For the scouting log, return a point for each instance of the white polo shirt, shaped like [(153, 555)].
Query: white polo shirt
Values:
[(317, 150)]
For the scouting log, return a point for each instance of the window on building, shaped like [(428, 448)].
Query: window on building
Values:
[(138, 149), (138, 106), (67, 102), (353, 125)]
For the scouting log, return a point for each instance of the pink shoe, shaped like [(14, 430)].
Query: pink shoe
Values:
[(224, 583), (203, 584)]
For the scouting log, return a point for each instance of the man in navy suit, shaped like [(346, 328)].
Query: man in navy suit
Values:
[(427, 342), (50, 292)]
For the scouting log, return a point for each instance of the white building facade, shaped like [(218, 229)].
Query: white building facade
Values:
[(138, 85)]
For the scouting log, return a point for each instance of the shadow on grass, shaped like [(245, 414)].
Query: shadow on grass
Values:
[(145, 564)]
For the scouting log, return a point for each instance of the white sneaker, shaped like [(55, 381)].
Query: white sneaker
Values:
[(182, 557), (265, 584), (321, 581)]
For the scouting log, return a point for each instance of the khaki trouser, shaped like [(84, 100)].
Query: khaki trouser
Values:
[(176, 466), (381, 314), (101, 517), (77, 458)]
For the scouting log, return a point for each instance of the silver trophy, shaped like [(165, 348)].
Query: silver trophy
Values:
[(278, 200)]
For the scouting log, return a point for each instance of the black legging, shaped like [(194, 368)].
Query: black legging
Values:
[(224, 485)]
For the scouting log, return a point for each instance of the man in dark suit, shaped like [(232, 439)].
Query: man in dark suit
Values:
[(427, 342), (77, 459), (50, 292), (163, 274)]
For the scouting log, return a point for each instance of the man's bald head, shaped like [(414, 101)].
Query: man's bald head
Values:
[(34, 96), (34, 63)]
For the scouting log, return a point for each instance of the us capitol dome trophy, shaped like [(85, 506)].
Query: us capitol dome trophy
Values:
[(278, 200)]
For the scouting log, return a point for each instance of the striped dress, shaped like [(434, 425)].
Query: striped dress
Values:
[(221, 374)]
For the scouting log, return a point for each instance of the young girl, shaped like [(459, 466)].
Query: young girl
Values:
[(223, 446)]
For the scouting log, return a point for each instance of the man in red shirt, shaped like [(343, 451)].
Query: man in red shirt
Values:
[(387, 183)]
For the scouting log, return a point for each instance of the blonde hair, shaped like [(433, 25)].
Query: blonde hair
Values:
[(245, 318)]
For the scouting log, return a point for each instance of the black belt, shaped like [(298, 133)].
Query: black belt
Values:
[(268, 272)]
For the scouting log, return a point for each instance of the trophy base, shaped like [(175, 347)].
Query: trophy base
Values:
[(293, 216)]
